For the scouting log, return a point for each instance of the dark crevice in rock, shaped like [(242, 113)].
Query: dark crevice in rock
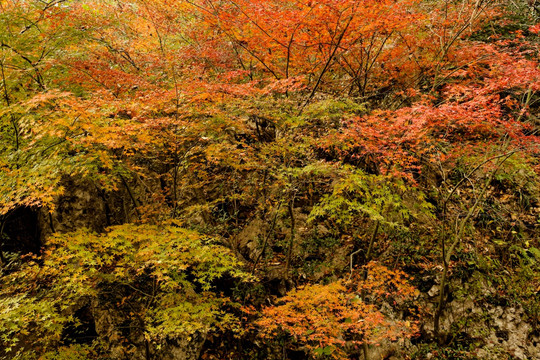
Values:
[(21, 232), (83, 329)]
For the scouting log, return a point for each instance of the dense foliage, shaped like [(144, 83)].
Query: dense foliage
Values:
[(259, 179)]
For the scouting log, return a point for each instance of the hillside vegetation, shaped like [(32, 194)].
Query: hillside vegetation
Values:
[(269, 179)]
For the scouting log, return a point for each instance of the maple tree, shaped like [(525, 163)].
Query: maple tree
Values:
[(339, 132), (329, 318), (158, 278)]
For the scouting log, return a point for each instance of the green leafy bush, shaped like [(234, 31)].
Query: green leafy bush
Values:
[(159, 279)]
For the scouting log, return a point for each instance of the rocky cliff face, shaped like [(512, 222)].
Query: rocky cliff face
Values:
[(486, 331)]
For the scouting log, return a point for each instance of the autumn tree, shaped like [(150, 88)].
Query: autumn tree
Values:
[(367, 130)]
